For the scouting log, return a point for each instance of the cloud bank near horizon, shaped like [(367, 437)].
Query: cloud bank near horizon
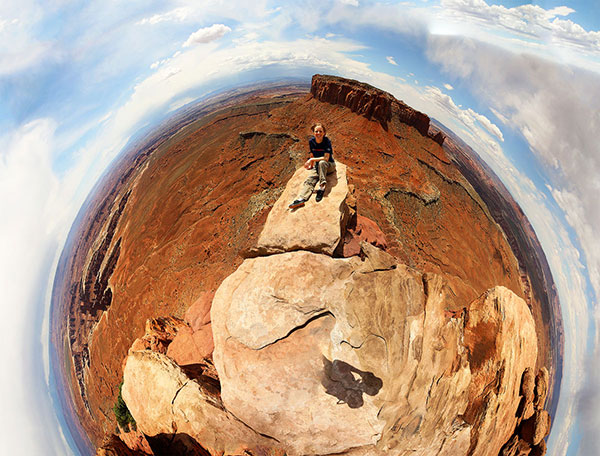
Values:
[(77, 97)]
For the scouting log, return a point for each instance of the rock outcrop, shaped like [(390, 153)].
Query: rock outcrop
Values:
[(314, 228), (361, 228), (361, 98), (114, 446), (165, 401), (159, 334), (533, 422), (498, 333), (370, 102), (193, 343)]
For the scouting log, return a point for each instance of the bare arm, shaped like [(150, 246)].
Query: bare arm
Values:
[(311, 161)]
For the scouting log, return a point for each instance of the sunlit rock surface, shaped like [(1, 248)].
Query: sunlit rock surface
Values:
[(317, 227), (164, 400)]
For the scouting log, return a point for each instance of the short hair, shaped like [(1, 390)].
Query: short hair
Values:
[(318, 124)]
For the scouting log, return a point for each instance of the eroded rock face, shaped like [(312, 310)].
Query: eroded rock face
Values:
[(383, 328), (193, 343), (360, 229), (165, 401), (361, 98), (273, 357), (337, 355), (536, 428), (370, 102), (114, 446), (533, 422), (541, 388), (502, 344), (159, 334)]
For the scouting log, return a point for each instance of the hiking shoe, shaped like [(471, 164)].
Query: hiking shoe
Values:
[(297, 203), (320, 194)]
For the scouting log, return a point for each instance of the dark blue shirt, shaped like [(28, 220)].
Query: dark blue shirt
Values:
[(319, 150)]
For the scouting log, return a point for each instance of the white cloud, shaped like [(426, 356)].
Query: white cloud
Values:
[(391, 60), (471, 121), (448, 87), (207, 34), (500, 116), (548, 30), (28, 239), (349, 2), (176, 15), (5, 23), (487, 124)]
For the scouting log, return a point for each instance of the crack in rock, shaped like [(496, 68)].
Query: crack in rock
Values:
[(297, 328)]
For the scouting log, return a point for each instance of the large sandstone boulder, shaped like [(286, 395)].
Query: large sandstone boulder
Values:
[(280, 357), (320, 353), (502, 344), (316, 227), (327, 355), (330, 354), (165, 401)]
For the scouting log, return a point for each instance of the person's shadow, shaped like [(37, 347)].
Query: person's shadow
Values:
[(339, 381)]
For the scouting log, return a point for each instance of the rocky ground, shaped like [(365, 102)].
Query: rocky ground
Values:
[(414, 336)]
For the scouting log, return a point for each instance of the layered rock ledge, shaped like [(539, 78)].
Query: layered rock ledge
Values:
[(362, 354), (371, 102)]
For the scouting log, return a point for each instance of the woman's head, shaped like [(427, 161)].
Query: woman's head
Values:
[(318, 130)]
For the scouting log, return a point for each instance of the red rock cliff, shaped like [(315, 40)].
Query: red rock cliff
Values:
[(368, 101)]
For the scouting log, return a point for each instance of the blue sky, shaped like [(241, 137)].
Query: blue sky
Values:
[(519, 81)]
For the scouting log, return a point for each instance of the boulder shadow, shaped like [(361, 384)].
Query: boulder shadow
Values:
[(347, 383), (176, 444), (198, 372)]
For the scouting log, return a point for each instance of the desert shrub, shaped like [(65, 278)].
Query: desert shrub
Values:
[(122, 413)]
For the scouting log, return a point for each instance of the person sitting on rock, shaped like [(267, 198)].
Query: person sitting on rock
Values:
[(321, 163)]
